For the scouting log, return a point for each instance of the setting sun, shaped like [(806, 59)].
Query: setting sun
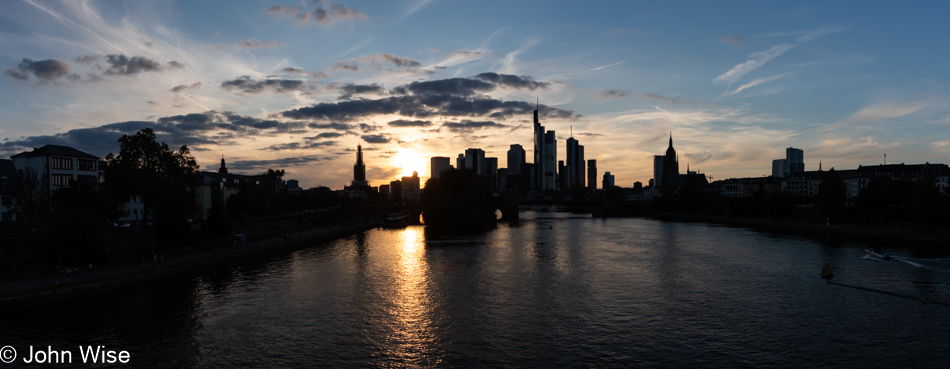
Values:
[(408, 160)]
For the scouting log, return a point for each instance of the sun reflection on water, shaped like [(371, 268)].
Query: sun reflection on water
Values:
[(412, 339)]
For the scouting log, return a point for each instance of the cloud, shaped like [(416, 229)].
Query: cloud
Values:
[(336, 126), (321, 15), (254, 43), (410, 123), (87, 59), (194, 129), (326, 135), (758, 59), (300, 145), (49, 69), (621, 94), (375, 139), (757, 82), (292, 161), (347, 65), (451, 86), (374, 60), (400, 61), (755, 61), (878, 112), (175, 65), (519, 82), (318, 75), (351, 89), (734, 40), (123, 65), (468, 126), (250, 85), (181, 88), (431, 105)]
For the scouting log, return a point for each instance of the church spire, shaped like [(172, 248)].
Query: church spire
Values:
[(223, 169), (671, 139)]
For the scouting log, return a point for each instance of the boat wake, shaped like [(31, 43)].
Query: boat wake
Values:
[(919, 265)]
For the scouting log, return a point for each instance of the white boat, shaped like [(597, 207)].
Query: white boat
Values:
[(877, 253)]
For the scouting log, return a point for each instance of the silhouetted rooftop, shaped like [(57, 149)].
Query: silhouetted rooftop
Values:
[(55, 150)]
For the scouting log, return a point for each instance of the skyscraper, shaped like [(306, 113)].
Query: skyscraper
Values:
[(359, 169), (592, 174), (608, 180), (475, 160), (410, 187), (516, 159), (779, 168), (545, 156), (794, 160), (490, 171), (437, 165), (658, 161), (574, 165)]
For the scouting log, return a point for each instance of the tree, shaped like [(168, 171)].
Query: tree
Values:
[(458, 200), (162, 179)]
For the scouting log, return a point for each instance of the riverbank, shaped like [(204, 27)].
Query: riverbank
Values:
[(26, 294), (856, 231)]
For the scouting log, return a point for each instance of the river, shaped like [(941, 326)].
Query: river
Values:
[(557, 290)]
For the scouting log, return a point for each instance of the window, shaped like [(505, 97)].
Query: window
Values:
[(6, 217), (87, 165), (60, 180), (6, 201), (89, 181), (61, 163)]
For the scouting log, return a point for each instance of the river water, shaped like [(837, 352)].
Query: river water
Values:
[(558, 290)]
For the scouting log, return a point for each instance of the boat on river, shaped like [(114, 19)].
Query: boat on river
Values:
[(877, 253)]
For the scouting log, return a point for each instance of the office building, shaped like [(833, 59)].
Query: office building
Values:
[(437, 165), (778, 168), (516, 159), (608, 180), (545, 157), (658, 161), (574, 164), (592, 174), (475, 160), (410, 187), (795, 160)]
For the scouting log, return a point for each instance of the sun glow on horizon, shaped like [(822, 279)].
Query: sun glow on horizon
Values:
[(408, 161)]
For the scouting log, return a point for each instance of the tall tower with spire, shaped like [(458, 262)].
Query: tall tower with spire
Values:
[(359, 169), (671, 166), (223, 169)]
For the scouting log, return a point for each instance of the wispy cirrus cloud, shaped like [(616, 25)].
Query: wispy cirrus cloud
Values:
[(621, 94), (757, 82), (877, 112), (758, 59)]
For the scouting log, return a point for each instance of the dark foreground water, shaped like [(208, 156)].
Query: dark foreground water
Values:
[(552, 292)]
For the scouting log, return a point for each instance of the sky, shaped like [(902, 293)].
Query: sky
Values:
[(297, 85)]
